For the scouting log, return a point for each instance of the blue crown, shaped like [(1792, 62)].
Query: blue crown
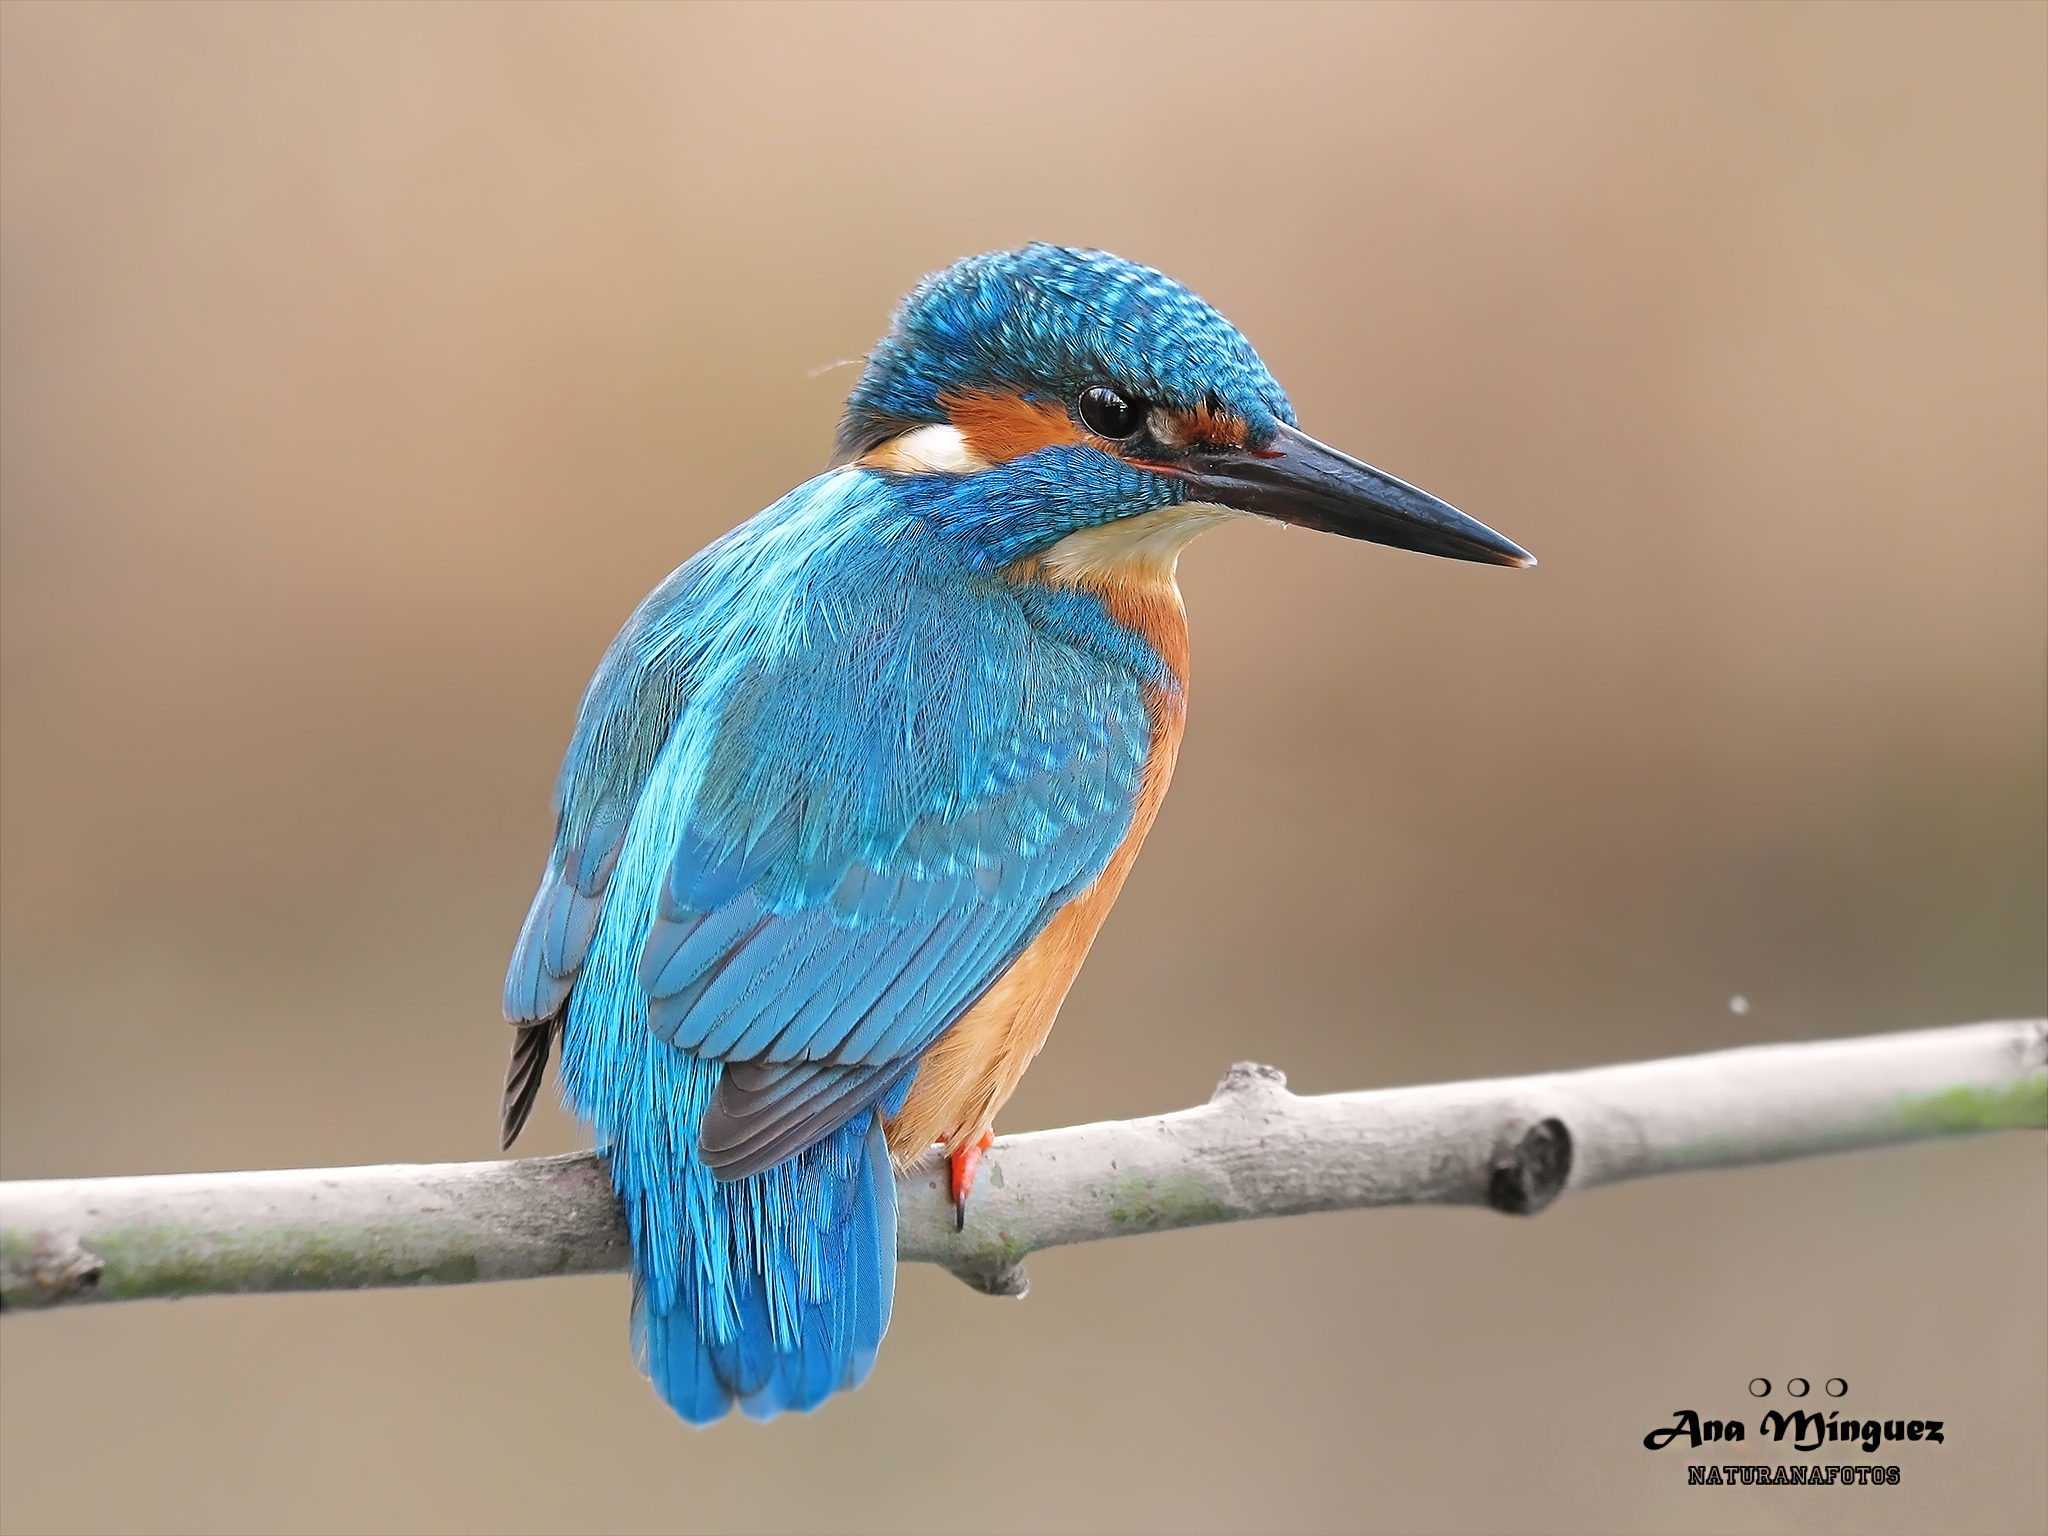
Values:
[(1051, 320)]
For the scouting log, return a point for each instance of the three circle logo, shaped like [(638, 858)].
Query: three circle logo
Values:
[(1797, 1386)]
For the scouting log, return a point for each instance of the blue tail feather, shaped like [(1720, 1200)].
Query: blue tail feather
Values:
[(781, 1297), (671, 1355), (769, 1292)]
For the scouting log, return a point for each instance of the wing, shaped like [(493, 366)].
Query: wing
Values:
[(895, 785), (820, 1009)]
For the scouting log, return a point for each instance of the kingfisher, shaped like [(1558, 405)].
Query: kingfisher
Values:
[(851, 793)]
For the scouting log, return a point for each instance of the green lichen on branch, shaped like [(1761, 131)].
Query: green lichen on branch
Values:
[(174, 1261), (2013, 1106), (1145, 1204)]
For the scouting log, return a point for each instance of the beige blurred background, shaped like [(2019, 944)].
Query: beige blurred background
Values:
[(364, 365)]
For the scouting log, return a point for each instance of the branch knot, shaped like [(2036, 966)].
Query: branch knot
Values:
[(1248, 1079), (1533, 1172), (47, 1268)]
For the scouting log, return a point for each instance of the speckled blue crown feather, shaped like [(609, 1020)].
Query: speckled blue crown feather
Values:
[(1049, 319)]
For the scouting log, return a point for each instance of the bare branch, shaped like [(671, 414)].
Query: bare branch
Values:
[(1253, 1150)]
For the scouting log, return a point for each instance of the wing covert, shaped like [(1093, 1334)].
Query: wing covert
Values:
[(822, 1007)]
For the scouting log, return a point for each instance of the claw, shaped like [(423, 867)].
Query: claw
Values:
[(966, 1163)]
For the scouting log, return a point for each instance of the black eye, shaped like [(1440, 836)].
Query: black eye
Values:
[(1107, 413)]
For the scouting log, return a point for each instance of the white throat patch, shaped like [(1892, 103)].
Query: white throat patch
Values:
[(1143, 548)]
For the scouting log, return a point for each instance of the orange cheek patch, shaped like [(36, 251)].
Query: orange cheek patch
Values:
[(1001, 427), (1210, 429)]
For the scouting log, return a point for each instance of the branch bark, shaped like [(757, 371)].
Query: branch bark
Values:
[(1253, 1150)]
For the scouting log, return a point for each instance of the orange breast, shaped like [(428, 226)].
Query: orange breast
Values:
[(967, 1076)]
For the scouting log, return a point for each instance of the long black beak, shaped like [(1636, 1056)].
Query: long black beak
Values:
[(1299, 480)]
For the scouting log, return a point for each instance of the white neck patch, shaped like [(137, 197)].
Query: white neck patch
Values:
[(933, 450)]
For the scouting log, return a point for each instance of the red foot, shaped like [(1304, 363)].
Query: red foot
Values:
[(967, 1163)]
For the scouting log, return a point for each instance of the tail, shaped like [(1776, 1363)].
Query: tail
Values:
[(810, 1278), (771, 1291)]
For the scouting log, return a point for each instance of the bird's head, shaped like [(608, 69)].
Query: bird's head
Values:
[(1098, 391)]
